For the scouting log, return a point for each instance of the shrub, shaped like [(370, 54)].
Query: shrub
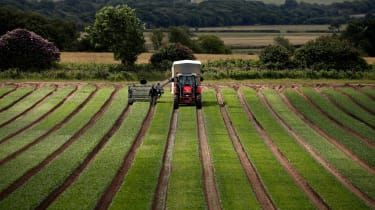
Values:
[(26, 50), (174, 52), (330, 53), (275, 57), (212, 44), (284, 42)]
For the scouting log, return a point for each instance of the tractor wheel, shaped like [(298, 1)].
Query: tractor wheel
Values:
[(175, 102), (198, 103), (130, 102)]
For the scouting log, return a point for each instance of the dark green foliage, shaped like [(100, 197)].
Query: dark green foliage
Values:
[(26, 50), (275, 57), (157, 39), (173, 52), (165, 13), (361, 33), (212, 44), (121, 31), (62, 33), (330, 53), (284, 42)]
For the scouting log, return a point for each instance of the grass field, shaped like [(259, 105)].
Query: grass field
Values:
[(268, 145)]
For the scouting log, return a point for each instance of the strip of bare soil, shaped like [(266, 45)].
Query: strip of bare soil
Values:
[(160, 196), (29, 108), (10, 91), (115, 185), (19, 99), (211, 193), (46, 134), (329, 116), (315, 154), (75, 174), (31, 172), (327, 136), (364, 92), (299, 180), (355, 101), (250, 170)]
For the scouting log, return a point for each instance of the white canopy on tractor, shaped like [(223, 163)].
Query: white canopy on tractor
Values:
[(186, 67)]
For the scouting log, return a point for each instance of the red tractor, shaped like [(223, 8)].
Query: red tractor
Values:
[(186, 79)]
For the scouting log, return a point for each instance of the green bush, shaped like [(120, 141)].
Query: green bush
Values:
[(275, 57), (329, 53), (164, 58), (212, 44), (26, 50)]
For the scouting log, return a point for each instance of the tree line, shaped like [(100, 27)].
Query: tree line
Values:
[(166, 13)]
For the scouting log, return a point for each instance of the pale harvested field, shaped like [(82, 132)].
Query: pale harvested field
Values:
[(282, 28), (107, 58)]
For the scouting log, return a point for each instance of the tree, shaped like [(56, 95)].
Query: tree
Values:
[(212, 44), (181, 35), (284, 42), (173, 52), (157, 39), (23, 49), (361, 34), (329, 53), (121, 31), (275, 57)]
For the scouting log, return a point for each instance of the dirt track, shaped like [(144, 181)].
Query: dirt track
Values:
[(299, 180), (10, 91), (115, 185), (210, 188), (250, 170), (160, 197), (315, 154), (31, 172), (19, 99), (355, 101)]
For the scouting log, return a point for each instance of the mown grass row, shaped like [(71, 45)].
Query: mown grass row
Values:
[(280, 186), (24, 104), (5, 89), (233, 185), (139, 186), (338, 114), (9, 99), (361, 98), (39, 186), (86, 191), (344, 164), (34, 114), (185, 190), (332, 192), (359, 148), (369, 90), (34, 132), (351, 107)]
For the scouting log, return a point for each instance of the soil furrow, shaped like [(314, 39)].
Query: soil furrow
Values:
[(327, 136), (75, 174), (250, 170), (29, 108), (19, 99), (115, 185), (346, 112), (299, 180), (160, 196), (46, 134), (9, 92), (329, 116), (364, 92), (210, 188), (315, 154), (355, 101), (31, 172)]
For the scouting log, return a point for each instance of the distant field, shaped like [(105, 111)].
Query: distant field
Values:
[(248, 39), (107, 58), (307, 1)]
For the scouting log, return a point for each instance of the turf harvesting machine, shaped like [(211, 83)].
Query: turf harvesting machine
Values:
[(186, 86)]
